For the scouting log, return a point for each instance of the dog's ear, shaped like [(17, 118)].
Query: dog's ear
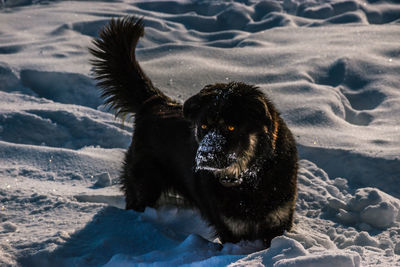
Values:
[(191, 107), (262, 109), (268, 112)]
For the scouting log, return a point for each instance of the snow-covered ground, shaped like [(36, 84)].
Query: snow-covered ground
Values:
[(331, 67)]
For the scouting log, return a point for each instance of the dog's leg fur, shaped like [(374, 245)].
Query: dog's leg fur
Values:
[(141, 182)]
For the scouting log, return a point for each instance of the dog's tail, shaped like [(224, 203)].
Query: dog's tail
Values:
[(125, 87)]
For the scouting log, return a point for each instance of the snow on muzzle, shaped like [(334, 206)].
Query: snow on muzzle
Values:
[(211, 154)]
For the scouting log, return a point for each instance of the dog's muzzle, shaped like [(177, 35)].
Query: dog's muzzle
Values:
[(210, 154)]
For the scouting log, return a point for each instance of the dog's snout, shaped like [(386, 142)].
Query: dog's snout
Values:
[(213, 141), (211, 150)]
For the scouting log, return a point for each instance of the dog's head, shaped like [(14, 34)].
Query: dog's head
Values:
[(228, 120)]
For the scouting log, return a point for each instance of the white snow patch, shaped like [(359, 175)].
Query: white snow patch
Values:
[(103, 179)]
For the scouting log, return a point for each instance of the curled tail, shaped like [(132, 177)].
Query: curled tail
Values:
[(125, 87)]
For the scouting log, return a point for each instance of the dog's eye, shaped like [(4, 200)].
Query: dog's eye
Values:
[(203, 126), (230, 128)]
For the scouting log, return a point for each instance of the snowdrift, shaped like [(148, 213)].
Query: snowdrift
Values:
[(331, 67)]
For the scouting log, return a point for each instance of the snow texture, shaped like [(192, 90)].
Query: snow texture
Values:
[(331, 67)]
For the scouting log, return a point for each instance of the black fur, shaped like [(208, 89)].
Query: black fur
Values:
[(226, 151)]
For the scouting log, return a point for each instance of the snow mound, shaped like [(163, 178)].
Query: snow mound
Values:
[(369, 207), (103, 179), (288, 252), (48, 124)]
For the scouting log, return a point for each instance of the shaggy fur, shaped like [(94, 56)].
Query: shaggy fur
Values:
[(226, 151)]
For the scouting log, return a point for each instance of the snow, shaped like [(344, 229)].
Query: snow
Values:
[(331, 67)]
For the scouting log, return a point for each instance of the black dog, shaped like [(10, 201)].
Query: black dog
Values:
[(226, 150)]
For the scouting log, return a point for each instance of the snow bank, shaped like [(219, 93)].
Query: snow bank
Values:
[(331, 67)]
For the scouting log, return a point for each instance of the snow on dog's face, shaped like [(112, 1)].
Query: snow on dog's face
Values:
[(227, 121)]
